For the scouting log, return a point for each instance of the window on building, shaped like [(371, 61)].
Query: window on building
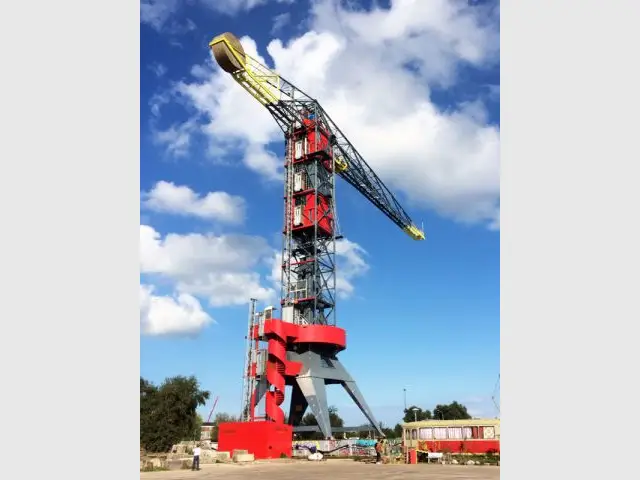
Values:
[(414, 434), (455, 433), (425, 433), (466, 432), (489, 432)]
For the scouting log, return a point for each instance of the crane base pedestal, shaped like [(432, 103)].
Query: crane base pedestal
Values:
[(263, 439)]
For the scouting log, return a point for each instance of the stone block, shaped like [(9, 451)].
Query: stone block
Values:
[(243, 457), (174, 464), (223, 456)]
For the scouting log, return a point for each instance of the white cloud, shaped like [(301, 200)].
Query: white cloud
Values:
[(351, 264), (181, 200), (234, 121), (232, 7), (279, 21), (170, 315), (157, 101), (223, 269), (158, 68), (435, 35), (444, 160), (263, 161), (227, 288), (220, 268), (176, 138), (158, 13), (275, 275)]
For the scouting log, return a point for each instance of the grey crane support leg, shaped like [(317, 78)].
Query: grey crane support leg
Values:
[(313, 388), (317, 372), (298, 404), (261, 389)]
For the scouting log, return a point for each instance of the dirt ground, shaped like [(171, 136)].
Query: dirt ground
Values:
[(333, 469)]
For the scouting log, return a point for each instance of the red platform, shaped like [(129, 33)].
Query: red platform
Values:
[(263, 439)]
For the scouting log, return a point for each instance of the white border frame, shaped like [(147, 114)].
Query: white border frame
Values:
[(570, 236), (70, 196)]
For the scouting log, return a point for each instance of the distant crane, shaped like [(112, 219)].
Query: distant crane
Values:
[(215, 402), (493, 396)]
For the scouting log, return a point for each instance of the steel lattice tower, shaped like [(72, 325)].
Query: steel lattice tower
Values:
[(308, 252)]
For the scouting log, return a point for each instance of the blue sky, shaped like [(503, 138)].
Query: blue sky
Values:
[(415, 86)]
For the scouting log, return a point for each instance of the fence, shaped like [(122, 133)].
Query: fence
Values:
[(344, 448)]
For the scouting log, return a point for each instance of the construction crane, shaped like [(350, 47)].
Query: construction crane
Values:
[(215, 402), (495, 393), (289, 105), (303, 343)]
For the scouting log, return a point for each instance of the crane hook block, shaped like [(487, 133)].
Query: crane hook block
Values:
[(228, 52)]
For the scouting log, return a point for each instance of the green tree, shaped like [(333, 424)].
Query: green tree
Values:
[(168, 412), (197, 427), (453, 411), (388, 432), (309, 419), (221, 418), (334, 419), (410, 415), (397, 431), (148, 407)]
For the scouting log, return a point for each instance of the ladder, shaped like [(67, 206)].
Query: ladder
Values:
[(286, 280), (249, 380)]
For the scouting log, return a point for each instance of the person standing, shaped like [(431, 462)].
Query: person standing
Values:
[(379, 451), (196, 458)]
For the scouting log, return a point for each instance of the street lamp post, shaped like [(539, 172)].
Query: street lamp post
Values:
[(405, 399), (415, 414)]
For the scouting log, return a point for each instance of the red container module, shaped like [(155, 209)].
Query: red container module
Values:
[(313, 138), (264, 439), (305, 214), (317, 142)]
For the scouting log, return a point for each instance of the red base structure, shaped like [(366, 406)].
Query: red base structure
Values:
[(263, 439)]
